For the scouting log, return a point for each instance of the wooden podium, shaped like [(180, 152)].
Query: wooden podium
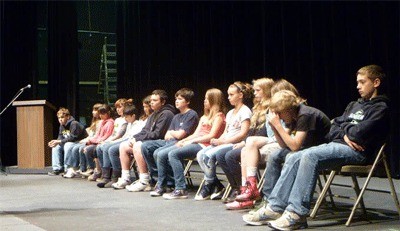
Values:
[(34, 131)]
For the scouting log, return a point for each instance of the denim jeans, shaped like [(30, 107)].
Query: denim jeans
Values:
[(230, 164), (273, 170), (84, 162), (295, 188), (72, 155), (164, 169), (207, 160), (58, 156), (104, 154), (148, 149), (175, 157)]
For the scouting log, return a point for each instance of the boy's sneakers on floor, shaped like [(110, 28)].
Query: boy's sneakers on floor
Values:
[(121, 183), (176, 194), (70, 174), (96, 175), (138, 186), (159, 191), (87, 173), (289, 221), (54, 173), (262, 217), (205, 192), (218, 191)]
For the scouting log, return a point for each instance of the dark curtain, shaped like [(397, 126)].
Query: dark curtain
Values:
[(318, 46), (18, 59), (63, 55)]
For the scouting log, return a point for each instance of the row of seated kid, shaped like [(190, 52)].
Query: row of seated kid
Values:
[(295, 140)]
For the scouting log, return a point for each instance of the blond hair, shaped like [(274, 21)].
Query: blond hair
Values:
[(217, 104), (260, 107), (63, 112), (284, 100)]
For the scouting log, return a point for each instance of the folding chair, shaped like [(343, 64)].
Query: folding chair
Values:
[(186, 171), (354, 171)]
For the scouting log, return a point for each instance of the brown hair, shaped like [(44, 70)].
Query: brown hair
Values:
[(185, 93), (373, 72), (95, 119), (163, 94), (244, 88), (146, 101), (123, 102)]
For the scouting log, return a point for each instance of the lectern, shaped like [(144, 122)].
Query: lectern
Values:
[(34, 131)]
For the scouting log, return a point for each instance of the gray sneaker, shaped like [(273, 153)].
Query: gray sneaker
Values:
[(262, 217), (289, 221), (176, 194), (263, 203)]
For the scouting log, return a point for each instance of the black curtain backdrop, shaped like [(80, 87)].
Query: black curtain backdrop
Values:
[(318, 46), (63, 55), (19, 62), (18, 56)]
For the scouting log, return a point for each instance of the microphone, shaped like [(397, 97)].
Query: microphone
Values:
[(27, 86)]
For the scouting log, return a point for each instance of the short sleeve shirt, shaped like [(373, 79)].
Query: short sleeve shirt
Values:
[(186, 121), (314, 122), (234, 121)]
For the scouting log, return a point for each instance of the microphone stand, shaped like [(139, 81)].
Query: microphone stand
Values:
[(2, 171)]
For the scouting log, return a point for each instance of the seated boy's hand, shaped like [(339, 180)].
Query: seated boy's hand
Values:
[(353, 145), (53, 143)]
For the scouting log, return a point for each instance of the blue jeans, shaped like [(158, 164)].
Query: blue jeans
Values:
[(148, 149), (90, 154), (103, 152), (230, 164), (207, 160), (58, 156), (110, 155), (175, 158), (84, 162), (273, 170), (165, 173), (295, 187), (72, 156)]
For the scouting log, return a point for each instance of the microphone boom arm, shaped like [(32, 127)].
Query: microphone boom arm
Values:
[(12, 101)]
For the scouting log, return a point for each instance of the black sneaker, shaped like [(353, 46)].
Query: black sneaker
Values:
[(205, 192), (54, 173), (218, 191)]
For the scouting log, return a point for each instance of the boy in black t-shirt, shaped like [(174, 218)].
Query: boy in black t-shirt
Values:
[(307, 126)]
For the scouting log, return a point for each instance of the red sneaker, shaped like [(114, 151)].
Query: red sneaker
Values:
[(251, 193), (239, 205)]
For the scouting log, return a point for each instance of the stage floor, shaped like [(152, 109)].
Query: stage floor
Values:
[(41, 202)]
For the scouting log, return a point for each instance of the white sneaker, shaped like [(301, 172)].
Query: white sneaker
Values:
[(121, 183), (138, 186), (70, 173)]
